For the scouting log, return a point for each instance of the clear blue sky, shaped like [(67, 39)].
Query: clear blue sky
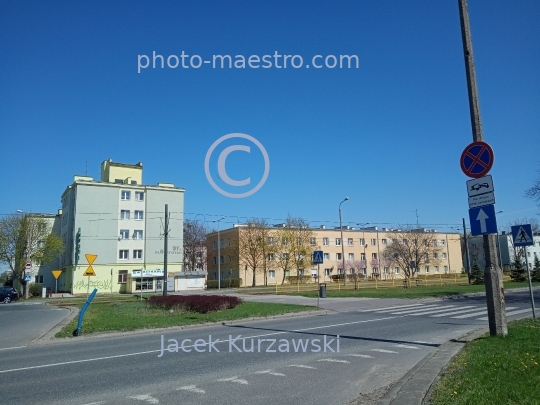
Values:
[(388, 135)]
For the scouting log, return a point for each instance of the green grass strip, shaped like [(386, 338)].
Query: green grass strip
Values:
[(495, 370)]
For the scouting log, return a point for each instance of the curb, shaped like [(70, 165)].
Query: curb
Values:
[(73, 312), (49, 338), (415, 387)]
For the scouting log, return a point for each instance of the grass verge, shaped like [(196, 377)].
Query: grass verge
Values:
[(126, 316), (495, 370), (414, 292)]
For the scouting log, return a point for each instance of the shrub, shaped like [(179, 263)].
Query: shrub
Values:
[(35, 290), (227, 283), (535, 273), (299, 279), (519, 273), (196, 303), (337, 277), (477, 275)]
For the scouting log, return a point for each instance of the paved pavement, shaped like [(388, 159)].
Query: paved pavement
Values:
[(23, 322), (395, 347)]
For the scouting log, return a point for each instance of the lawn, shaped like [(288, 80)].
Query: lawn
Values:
[(413, 292), (126, 316), (495, 370)]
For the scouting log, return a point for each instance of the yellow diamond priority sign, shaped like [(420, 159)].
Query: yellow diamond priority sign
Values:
[(90, 270)]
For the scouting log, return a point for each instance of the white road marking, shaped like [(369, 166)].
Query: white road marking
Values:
[(396, 307), (366, 356), (192, 388), (16, 347), (301, 366), (407, 346), (470, 315), (413, 310), (382, 351), (521, 311), (96, 403), (271, 372), (147, 398), (461, 310), (186, 346), (434, 311), (234, 380), (335, 360)]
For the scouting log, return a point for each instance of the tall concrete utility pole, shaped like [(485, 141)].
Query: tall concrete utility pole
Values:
[(166, 247), (492, 273)]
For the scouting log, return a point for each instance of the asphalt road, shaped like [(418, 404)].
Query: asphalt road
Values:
[(23, 322), (378, 344)]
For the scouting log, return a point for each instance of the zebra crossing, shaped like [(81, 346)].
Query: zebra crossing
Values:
[(439, 310)]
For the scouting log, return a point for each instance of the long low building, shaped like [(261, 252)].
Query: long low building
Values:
[(359, 251)]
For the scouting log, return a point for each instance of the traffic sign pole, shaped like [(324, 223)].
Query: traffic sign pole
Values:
[(492, 274), (530, 284)]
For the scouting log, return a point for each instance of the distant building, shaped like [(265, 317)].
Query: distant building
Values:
[(506, 253), (121, 221), (366, 245)]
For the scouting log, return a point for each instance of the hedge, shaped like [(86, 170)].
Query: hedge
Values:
[(227, 283), (299, 279), (196, 303)]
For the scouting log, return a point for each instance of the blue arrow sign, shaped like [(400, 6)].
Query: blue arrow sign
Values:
[(483, 220), (318, 257), (522, 235)]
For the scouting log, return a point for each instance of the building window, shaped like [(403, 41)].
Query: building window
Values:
[(137, 234), (427, 269), (443, 242), (124, 214), (271, 274), (362, 242), (384, 242), (446, 269), (124, 233), (364, 271), (138, 215), (137, 254), (214, 246), (215, 259), (338, 256), (436, 269), (327, 272), (133, 182), (350, 241), (325, 241), (338, 241), (374, 256), (362, 256), (123, 254), (373, 242), (122, 276), (221, 260), (144, 284), (118, 181), (285, 241), (326, 256), (270, 257), (387, 270), (139, 196), (351, 256), (435, 255), (270, 240), (444, 255), (39, 279), (396, 270), (125, 195), (312, 241)]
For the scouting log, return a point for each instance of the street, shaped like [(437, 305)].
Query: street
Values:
[(378, 343)]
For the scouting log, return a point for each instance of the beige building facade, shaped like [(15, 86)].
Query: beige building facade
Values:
[(363, 250)]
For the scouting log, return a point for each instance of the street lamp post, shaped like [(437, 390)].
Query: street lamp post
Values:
[(364, 240), (342, 243), (219, 252), (499, 244)]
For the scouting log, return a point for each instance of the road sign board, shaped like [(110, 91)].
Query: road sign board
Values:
[(483, 220), (90, 258), (477, 159), (522, 235), (480, 186), (318, 257), (28, 277), (28, 266), (89, 272), (56, 273), (481, 200)]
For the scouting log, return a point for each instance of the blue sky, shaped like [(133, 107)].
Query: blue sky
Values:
[(388, 134)]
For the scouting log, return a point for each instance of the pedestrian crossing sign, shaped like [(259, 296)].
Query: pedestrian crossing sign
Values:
[(318, 257), (522, 235)]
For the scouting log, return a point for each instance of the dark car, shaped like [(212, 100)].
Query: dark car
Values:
[(8, 294)]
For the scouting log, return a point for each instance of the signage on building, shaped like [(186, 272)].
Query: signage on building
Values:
[(147, 273)]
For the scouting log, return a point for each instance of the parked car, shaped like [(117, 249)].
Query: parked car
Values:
[(8, 294)]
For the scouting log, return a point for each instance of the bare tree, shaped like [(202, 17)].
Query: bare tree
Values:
[(411, 249), (27, 238), (194, 245), (534, 192), (253, 246), (300, 239), (284, 251)]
